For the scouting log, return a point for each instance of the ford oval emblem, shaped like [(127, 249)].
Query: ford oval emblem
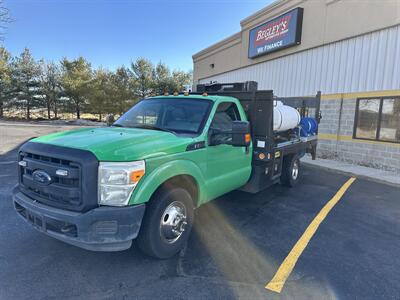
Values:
[(41, 177)]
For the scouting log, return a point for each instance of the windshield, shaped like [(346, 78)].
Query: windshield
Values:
[(169, 114)]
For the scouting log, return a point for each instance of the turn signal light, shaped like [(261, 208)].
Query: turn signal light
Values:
[(247, 138), (136, 175)]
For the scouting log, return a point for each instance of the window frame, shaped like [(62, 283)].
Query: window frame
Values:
[(378, 126), (217, 104), (237, 112)]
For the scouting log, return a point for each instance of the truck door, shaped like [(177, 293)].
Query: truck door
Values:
[(228, 167)]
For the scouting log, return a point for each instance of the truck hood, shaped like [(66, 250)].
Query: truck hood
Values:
[(119, 144)]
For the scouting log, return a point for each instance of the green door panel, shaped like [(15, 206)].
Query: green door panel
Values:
[(228, 168)]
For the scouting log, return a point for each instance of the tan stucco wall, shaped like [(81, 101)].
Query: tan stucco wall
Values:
[(325, 21)]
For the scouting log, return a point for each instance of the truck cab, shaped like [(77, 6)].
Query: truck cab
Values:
[(143, 176)]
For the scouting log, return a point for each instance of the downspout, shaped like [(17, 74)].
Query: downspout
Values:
[(339, 125)]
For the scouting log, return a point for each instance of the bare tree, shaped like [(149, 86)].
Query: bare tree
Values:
[(4, 19)]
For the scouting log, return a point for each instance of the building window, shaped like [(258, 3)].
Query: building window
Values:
[(378, 119)]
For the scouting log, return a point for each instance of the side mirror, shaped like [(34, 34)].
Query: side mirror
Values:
[(110, 119), (241, 134)]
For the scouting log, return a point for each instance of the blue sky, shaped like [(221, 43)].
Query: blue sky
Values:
[(113, 33)]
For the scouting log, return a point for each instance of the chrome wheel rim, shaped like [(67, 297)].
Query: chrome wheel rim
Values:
[(173, 222), (295, 170)]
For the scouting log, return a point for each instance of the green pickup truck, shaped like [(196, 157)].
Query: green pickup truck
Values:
[(143, 176)]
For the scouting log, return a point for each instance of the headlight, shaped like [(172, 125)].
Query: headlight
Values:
[(117, 180)]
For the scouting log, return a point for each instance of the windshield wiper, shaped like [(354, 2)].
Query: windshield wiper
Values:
[(117, 125), (152, 127)]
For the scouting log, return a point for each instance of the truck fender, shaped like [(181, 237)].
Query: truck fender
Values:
[(155, 179)]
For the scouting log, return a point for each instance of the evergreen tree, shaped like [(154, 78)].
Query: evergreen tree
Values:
[(5, 78), (142, 74), (100, 97), (72, 85), (25, 81), (50, 84), (76, 81), (162, 81), (165, 81), (122, 91), (180, 79)]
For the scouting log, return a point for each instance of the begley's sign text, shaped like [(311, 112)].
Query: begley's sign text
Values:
[(282, 32)]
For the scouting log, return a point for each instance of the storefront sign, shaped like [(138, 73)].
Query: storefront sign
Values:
[(279, 33)]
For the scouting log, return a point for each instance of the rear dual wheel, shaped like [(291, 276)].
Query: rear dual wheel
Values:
[(290, 171), (167, 223)]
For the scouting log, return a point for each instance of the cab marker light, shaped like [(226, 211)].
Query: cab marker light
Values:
[(22, 163)]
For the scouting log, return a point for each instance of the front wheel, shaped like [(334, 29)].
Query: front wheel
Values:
[(167, 223), (290, 171)]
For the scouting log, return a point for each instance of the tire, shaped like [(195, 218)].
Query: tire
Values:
[(290, 171), (158, 236)]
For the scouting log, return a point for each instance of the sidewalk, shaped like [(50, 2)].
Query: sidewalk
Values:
[(392, 178)]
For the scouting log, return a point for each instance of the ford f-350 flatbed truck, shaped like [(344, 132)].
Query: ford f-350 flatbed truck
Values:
[(143, 176)]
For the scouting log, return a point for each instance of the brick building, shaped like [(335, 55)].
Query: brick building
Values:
[(347, 49)]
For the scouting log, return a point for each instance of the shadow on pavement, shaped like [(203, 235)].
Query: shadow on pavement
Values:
[(243, 238)]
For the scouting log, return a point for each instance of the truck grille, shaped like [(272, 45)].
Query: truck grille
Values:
[(70, 176), (63, 190)]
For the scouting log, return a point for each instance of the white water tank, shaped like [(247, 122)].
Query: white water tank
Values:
[(285, 117)]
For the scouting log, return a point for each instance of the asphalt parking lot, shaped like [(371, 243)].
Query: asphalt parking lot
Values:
[(238, 243)]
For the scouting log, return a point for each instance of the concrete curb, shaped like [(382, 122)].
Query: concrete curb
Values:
[(391, 178)]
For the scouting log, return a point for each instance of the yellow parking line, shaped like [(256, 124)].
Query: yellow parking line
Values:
[(278, 281)]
